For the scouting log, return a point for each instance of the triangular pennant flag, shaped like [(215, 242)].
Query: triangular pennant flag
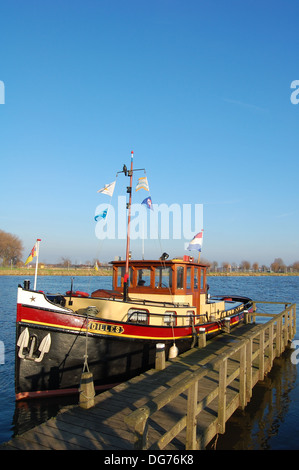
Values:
[(108, 189), (148, 203)]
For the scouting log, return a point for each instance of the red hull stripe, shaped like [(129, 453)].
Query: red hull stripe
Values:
[(77, 324)]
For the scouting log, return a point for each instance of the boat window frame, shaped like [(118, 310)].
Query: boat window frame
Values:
[(138, 282), (141, 311), (180, 277), (196, 278), (190, 314), (202, 284), (158, 276), (119, 276), (189, 285), (172, 314)]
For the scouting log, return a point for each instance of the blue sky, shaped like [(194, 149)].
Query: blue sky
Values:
[(199, 90)]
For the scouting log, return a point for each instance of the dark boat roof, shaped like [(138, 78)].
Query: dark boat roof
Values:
[(158, 262)]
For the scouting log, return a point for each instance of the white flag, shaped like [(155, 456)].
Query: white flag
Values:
[(108, 189)]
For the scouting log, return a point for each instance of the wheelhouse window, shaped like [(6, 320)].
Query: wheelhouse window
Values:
[(202, 281), (196, 278), (180, 277), (188, 278), (170, 318), (139, 316), (163, 277), (121, 271), (143, 277)]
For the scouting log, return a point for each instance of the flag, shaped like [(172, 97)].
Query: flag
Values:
[(108, 189), (196, 242), (142, 184), (148, 203), (101, 215), (32, 255)]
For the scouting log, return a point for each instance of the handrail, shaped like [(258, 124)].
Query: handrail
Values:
[(138, 419)]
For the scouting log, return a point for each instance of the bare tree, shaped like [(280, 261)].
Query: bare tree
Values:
[(66, 262), (245, 265), (255, 266), (11, 248), (278, 265), (296, 266), (214, 266), (225, 266)]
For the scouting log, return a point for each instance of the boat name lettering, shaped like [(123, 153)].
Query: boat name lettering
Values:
[(103, 327)]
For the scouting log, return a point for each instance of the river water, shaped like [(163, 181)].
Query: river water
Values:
[(269, 421)]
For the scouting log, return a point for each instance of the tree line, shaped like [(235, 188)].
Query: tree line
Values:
[(278, 266), (11, 252)]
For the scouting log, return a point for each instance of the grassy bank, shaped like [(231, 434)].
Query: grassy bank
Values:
[(55, 272), (252, 274), (107, 272)]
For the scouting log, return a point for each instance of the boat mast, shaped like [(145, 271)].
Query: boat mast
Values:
[(129, 190)]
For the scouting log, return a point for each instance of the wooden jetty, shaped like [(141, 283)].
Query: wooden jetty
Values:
[(181, 407)]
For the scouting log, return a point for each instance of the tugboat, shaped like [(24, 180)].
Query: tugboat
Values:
[(151, 302)]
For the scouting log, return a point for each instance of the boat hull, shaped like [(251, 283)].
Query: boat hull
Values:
[(53, 345)]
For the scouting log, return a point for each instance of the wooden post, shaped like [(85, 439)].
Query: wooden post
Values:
[(261, 355), (246, 317), (287, 327), (291, 323), (191, 441), (271, 345), (249, 370), (226, 327), (160, 356), (222, 397), (139, 425), (202, 338), (284, 330), (278, 336), (242, 391)]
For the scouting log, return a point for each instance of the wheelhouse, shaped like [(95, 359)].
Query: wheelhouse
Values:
[(176, 280)]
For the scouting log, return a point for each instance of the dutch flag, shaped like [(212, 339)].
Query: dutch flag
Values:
[(196, 242)]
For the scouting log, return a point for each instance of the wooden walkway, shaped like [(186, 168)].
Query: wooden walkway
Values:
[(181, 407)]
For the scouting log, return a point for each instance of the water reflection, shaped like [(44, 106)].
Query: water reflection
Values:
[(262, 424), (31, 413)]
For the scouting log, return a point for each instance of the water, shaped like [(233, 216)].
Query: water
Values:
[(268, 422)]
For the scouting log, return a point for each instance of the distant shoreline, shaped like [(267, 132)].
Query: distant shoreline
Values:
[(54, 272), (108, 272)]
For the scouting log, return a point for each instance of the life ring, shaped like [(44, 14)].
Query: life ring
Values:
[(78, 293)]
